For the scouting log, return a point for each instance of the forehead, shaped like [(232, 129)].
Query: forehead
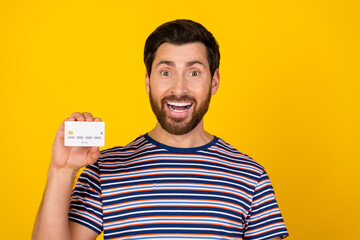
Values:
[(181, 53)]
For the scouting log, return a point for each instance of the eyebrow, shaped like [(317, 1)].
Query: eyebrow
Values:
[(169, 63), (188, 64)]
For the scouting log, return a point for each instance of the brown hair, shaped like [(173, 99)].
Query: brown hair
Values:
[(181, 31)]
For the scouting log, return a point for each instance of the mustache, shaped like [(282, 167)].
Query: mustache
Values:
[(183, 97)]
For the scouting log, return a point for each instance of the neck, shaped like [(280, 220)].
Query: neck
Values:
[(195, 138)]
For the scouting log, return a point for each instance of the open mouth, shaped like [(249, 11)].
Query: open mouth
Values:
[(179, 106)]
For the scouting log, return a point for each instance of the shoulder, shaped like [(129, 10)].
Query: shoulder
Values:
[(227, 151), (137, 146)]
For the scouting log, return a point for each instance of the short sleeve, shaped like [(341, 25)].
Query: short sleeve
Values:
[(86, 201), (264, 220)]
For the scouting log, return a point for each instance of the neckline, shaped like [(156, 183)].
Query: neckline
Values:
[(180, 150)]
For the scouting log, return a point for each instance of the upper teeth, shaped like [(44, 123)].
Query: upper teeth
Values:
[(179, 104)]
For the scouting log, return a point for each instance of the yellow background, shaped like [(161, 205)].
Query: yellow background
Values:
[(289, 95)]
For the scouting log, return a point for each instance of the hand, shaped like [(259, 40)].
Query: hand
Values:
[(73, 158)]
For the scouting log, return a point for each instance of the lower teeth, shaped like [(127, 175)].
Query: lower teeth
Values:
[(176, 110)]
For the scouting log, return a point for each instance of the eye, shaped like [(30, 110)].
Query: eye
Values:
[(165, 73), (194, 73)]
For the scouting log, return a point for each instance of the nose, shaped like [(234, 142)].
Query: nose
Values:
[(180, 85)]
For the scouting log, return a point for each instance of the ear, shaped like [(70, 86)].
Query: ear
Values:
[(147, 82), (215, 82)]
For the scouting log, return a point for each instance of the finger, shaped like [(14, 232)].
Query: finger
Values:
[(66, 119), (94, 154), (78, 116), (97, 119), (88, 116)]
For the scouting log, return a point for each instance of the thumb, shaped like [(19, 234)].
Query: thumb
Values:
[(60, 133)]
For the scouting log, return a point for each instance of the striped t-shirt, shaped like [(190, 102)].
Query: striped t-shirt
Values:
[(147, 190)]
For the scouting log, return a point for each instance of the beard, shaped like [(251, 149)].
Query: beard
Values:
[(180, 126)]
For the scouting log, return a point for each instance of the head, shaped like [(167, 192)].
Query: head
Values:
[(181, 32), (182, 60)]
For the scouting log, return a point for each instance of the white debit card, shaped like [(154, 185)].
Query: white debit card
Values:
[(84, 134)]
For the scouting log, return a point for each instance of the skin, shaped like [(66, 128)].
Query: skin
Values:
[(180, 81), (52, 220), (181, 62)]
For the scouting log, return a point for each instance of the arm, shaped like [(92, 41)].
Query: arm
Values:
[(52, 220), (265, 220)]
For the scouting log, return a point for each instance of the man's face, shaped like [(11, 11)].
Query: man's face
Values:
[(180, 86)]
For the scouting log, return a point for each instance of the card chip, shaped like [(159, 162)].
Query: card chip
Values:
[(71, 132)]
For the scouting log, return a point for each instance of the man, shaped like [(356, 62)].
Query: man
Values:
[(175, 182)]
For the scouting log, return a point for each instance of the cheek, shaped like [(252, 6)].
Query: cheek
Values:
[(159, 89), (156, 93), (202, 90)]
